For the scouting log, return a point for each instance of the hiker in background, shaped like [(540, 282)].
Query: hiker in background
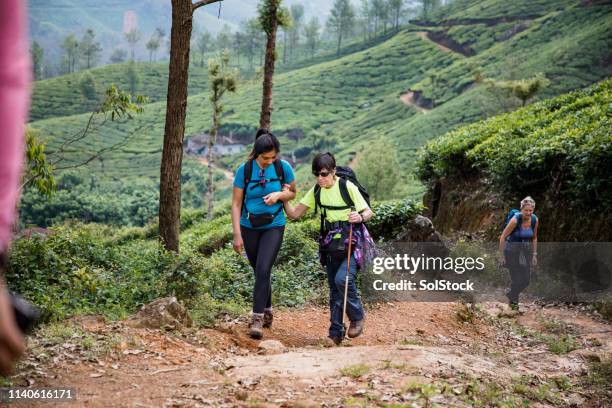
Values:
[(258, 220), (341, 203), (518, 245), (15, 76)]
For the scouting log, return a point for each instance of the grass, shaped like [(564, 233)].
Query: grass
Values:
[(342, 104), (60, 96), (355, 371)]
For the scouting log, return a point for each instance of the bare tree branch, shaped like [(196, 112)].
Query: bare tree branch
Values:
[(201, 3), (107, 149)]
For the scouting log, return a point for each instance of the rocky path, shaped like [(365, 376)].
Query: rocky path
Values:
[(407, 98), (411, 354)]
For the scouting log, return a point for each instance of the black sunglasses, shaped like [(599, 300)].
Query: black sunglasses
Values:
[(321, 173)]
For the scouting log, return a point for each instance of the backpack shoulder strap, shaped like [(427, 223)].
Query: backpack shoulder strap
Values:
[(519, 220), (346, 196), (280, 171), (317, 197), (248, 172)]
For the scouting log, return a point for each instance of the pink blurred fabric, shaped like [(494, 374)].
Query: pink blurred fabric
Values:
[(15, 77)]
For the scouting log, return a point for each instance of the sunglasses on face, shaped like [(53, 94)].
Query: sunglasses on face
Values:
[(321, 173)]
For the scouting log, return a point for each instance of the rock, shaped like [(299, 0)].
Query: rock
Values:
[(271, 347), (575, 400), (587, 355), (162, 313), (242, 395)]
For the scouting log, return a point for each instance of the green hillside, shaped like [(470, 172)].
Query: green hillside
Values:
[(61, 96), (524, 150), (495, 9), (344, 104)]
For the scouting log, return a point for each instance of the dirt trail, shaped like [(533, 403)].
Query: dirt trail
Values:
[(228, 174), (407, 98), (405, 343), (425, 36)]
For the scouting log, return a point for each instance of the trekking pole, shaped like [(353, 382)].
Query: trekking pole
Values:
[(348, 270)]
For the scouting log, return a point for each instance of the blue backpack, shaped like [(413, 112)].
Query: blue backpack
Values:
[(514, 213)]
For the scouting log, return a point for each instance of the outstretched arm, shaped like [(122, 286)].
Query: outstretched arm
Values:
[(295, 213), (236, 213), (507, 231)]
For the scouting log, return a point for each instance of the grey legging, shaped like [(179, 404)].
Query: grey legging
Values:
[(261, 247)]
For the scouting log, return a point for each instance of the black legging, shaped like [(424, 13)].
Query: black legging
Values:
[(261, 247), (518, 261)]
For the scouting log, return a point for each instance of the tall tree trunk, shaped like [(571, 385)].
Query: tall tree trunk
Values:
[(266, 101), (176, 106), (285, 47), (212, 140)]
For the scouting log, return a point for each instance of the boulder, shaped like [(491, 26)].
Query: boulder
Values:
[(162, 313), (271, 347)]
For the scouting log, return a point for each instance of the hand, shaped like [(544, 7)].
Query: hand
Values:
[(286, 187), (355, 217), (272, 198), (238, 244), (12, 345), (534, 260)]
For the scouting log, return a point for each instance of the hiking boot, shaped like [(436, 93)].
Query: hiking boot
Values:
[(267, 319), (256, 328), (355, 328), (331, 341)]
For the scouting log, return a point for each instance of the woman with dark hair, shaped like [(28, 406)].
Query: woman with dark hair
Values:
[(258, 220), (337, 217)]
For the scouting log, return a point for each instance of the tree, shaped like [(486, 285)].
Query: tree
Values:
[(87, 85), (161, 35), (132, 37), (224, 39), (285, 43), (153, 45), (312, 35), (132, 77), (221, 80), (237, 43), (297, 17), (253, 34), (37, 59), (366, 19), (378, 169), (118, 55), (428, 7), (117, 106), (380, 9), (176, 107), (203, 44), (38, 171), (89, 48), (395, 7), (341, 20), (271, 15), (70, 46)]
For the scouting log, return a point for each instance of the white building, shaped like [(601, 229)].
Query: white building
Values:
[(225, 145)]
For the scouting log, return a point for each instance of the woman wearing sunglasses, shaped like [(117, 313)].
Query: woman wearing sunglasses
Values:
[(258, 220), (337, 217)]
